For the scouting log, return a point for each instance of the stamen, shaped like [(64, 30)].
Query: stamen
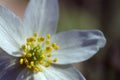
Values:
[(49, 55), (37, 51), (48, 41), (47, 65), (28, 55), (28, 66), (35, 34), (40, 39), (55, 60), (55, 46), (32, 63), (23, 47), (43, 56), (48, 49), (21, 61), (48, 36)]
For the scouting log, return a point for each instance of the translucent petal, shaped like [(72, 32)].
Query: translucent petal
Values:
[(8, 67), (65, 72), (77, 46), (25, 74), (29, 75), (11, 31), (41, 16)]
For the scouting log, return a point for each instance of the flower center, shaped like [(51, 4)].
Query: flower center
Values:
[(37, 52)]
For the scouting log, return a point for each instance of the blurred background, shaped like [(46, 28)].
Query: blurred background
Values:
[(89, 14), (95, 14)]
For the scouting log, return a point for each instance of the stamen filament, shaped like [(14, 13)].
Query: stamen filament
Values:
[(37, 51)]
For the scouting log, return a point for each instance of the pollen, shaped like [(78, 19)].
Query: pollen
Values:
[(55, 46), (55, 60), (35, 34), (49, 55), (48, 49), (21, 61), (37, 52), (48, 41), (48, 36)]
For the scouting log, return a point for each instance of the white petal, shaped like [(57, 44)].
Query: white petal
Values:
[(39, 76), (8, 69), (65, 72), (77, 46), (41, 16), (25, 74), (28, 75), (10, 31)]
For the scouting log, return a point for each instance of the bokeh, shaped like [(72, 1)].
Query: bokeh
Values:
[(95, 14)]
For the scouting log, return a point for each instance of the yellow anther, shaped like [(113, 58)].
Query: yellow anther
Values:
[(28, 39), (28, 55), (23, 47), (48, 36), (26, 61), (41, 39), (49, 55), (28, 66), (47, 65), (37, 69), (32, 45), (41, 62), (56, 47), (35, 34), (25, 50), (40, 70), (31, 39), (49, 61), (48, 49), (32, 63), (43, 56), (48, 41), (28, 43), (55, 60), (37, 52), (53, 45), (21, 61)]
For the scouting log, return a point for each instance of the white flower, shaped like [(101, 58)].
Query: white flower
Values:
[(41, 16)]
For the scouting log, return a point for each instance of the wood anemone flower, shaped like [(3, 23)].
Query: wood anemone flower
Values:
[(33, 49)]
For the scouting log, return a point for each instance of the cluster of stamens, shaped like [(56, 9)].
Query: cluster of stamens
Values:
[(37, 52)]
